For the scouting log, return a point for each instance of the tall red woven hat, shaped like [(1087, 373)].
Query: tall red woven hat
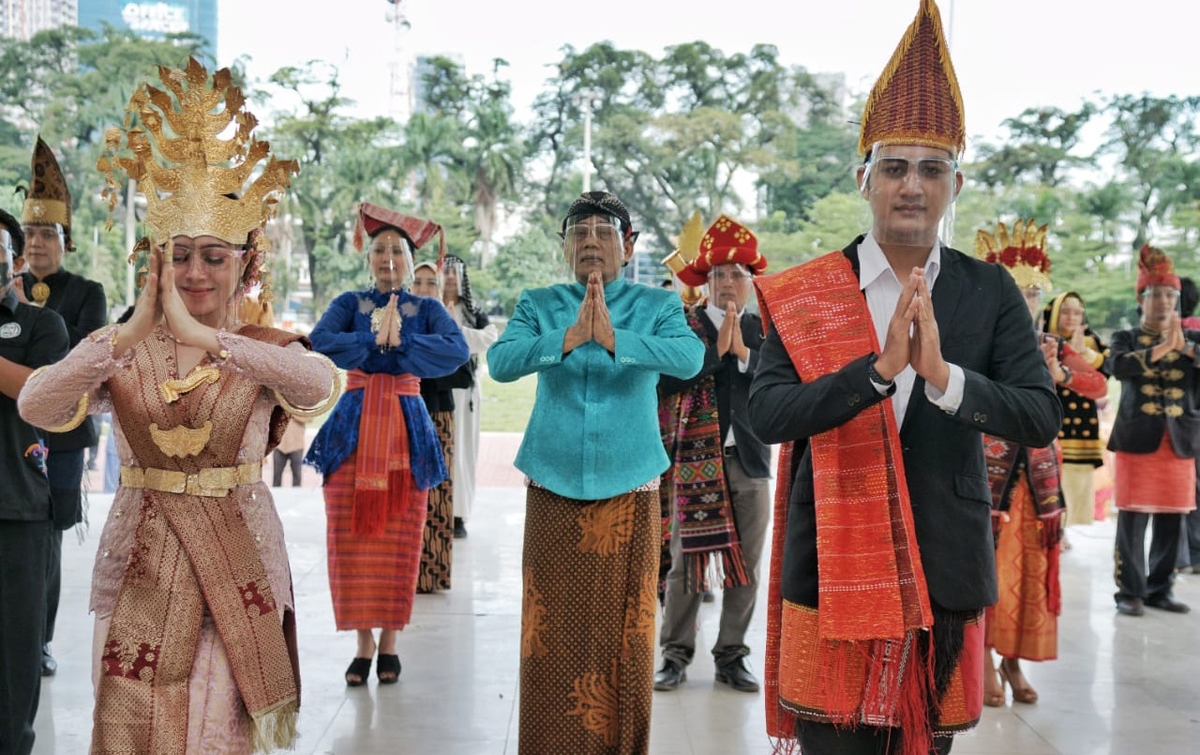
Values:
[(372, 218), (917, 100), (1155, 269), (725, 242)]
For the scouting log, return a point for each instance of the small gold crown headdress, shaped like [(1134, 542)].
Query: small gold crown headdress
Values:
[(689, 249), (1023, 253), (194, 181)]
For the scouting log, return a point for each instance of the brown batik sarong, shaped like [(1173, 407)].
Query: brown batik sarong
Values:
[(438, 538), (590, 573)]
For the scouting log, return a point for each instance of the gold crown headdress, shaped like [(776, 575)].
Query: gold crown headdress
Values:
[(689, 249), (1022, 253), (193, 180), (917, 100)]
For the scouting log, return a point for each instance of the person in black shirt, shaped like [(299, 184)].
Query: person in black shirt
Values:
[(30, 337), (46, 223)]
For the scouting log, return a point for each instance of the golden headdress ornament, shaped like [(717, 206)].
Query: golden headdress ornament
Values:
[(48, 199), (686, 253), (194, 181), (917, 100), (1022, 253)]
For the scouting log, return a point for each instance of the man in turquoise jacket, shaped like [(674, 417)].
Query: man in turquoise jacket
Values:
[(593, 456)]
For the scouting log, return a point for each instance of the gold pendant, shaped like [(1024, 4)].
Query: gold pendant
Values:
[(171, 390), (377, 318), (181, 441), (41, 292)]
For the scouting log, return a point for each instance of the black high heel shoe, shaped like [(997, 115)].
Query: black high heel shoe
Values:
[(388, 664), (361, 668)]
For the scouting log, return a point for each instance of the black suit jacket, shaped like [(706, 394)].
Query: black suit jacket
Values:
[(984, 328), (733, 391), (81, 304), (1155, 396)]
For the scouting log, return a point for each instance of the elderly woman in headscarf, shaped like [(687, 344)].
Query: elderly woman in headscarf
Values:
[(378, 450), (593, 456), (480, 334), (1079, 439)]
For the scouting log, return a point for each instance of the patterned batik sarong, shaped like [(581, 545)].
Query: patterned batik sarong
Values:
[(1024, 623), (587, 623), (372, 579), (438, 538)]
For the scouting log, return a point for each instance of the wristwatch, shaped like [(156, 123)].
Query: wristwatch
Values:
[(874, 376)]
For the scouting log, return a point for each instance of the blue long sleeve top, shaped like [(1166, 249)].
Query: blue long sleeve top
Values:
[(594, 431), (431, 346)]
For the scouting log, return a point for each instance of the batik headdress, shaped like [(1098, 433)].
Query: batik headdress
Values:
[(48, 200), (1023, 252), (917, 100), (1155, 269), (195, 181)]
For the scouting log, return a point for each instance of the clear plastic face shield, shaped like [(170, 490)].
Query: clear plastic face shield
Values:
[(1158, 303), (1072, 317), (911, 191), (391, 261), (208, 274), (45, 245), (729, 284), (452, 273), (426, 281), (594, 244), (1034, 303), (7, 256)]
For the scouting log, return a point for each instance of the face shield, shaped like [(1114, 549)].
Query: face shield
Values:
[(1158, 304), (911, 191), (426, 281), (594, 244), (391, 261), (452, 275), (6, 261), (729, 284)]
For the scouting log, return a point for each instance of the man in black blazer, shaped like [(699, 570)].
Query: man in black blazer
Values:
[(944, 340), (46, 221), (732, 338), (1156, 438)]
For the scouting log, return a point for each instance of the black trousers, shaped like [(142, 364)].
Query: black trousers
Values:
[(1133, 580), (826, 739), (279, 460), (24, 552), (65, 470)]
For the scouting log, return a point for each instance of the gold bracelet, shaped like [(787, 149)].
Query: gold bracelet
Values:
[(81, 411), (335, 393)]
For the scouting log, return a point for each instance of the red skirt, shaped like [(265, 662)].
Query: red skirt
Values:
[(372, 579), (1157, 483)]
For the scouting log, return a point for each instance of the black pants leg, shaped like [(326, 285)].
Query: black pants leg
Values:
[(296, 459), (1164, 551), (24, 548), (53, 583), (1130, 554), (826, 739), (277, 460)]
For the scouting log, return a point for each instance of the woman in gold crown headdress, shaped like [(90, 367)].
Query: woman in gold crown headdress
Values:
[(195, 645)]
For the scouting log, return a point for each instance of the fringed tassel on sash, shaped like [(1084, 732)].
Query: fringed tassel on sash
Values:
[(275, 729)]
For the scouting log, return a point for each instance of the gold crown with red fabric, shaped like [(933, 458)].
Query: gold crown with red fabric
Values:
[(725, 242), (917, 100), (1022, 252), (1155, 268)]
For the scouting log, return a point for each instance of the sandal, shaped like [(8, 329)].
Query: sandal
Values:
[(1023, 693), (360, 668), (390, 665), (994, 698)]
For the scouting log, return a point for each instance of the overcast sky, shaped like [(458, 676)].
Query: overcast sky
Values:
[(1009, 54)]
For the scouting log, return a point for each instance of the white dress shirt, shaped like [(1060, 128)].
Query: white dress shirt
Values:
[(882, 290)]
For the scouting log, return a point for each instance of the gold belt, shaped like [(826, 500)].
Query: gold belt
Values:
[(215, 482)]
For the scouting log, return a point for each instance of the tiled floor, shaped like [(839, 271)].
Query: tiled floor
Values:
[(1121, 685)]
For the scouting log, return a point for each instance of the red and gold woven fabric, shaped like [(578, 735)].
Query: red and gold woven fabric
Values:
[(382, 478)]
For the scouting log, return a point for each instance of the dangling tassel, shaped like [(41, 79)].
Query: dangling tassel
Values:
[(275, 729)]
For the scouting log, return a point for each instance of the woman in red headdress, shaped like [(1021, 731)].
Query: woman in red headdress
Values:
[(378, 450)]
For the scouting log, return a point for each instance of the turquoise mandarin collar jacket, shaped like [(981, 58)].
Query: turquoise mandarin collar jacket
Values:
[(594, 430)]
